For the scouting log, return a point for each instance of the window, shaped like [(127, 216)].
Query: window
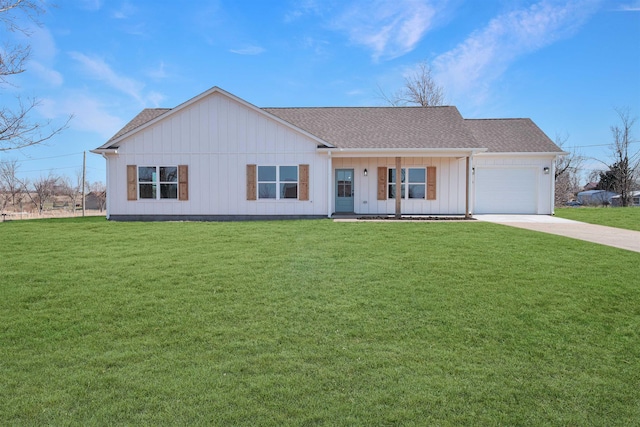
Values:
[(158, 182), (415, 187), (277, 182), (417, 183)]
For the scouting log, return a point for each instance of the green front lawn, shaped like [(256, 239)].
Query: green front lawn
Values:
[(628, 218), (314, 323)]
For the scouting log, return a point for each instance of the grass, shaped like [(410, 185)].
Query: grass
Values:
[(314, 323), (628, 218)]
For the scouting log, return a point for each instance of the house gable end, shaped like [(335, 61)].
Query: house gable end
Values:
[(150, 117)]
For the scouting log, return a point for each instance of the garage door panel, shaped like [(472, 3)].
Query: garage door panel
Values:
[(506, 190)]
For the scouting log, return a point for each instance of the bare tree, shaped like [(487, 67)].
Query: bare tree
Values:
[(566, 173), (42, 190), (9, 182), (420, 88), (622, 174), (17, 129), (99, 191), (71, 190)]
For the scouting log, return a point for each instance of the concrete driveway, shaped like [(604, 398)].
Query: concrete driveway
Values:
[(610, 236)]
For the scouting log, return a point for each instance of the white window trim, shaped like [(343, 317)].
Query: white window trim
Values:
[(277, 183), (158, 182), (406, 183)]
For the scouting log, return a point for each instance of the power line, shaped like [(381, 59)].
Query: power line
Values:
[(43, 158), (51, 169), (599, 145)]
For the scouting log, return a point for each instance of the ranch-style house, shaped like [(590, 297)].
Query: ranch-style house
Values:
[(218, 157)]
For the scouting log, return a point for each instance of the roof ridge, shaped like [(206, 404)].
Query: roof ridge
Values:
[(361, 107), (502, 118)]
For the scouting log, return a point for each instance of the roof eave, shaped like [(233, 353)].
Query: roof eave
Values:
[(524, 153), (402, 152), (105, 151)]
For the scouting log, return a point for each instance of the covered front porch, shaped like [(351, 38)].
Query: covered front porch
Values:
[(436, 183)]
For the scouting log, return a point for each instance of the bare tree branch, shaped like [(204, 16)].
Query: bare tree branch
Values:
[(41, 191), (420, 88), (17, 129), (10, 185), (626, 166), (566, 173)]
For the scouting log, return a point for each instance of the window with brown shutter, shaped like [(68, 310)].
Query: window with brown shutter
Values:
[(183, 182), (382, 183), (252, 194), (303, 177), (431, 183), (132, 181)]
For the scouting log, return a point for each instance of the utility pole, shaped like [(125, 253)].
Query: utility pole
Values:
[(84, 178)]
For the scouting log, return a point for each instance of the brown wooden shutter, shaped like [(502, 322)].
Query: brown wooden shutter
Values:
[(431, 183), (251, 182), (183, 182), (303, 177), (132, 184), (382, 183)]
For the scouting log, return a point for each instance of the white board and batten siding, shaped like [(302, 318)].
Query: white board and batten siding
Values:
[(450, 185), (512, 185), (217, 137)]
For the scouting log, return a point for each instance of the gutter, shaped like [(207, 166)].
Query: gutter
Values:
[(104, 151), (403, 152), (524, 153)]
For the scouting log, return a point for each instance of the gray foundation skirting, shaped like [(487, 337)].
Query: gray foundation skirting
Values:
[(210, 217)]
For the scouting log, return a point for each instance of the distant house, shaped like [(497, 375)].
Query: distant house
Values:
[(590, 186), (218, 157), (596, 197), (635, 199), (94, 201)]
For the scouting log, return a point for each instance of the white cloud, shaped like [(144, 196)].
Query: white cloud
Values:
[(47, 74), (155, 98), (125, 11), (98, 69), (300, 9), (43, 54), (388, 28), (248, 50), (89, 114), (469, 69), (633, 6), (91, 4), (355, 92), (158, 73)]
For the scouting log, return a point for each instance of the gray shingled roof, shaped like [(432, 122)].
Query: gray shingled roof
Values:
[(511, 136), (143, 117), (382, 127), (398, 127)]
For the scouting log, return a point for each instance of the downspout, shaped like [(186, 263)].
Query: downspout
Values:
[(106, 201), (329, 184), (552, 176)]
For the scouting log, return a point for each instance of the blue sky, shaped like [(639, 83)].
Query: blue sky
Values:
[(564, 64)]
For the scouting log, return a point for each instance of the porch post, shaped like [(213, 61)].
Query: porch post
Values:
[(329, 185), (398, 187), (552, 176), (467, 213)]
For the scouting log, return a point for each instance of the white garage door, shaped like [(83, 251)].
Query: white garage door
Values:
[(506, 191)]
